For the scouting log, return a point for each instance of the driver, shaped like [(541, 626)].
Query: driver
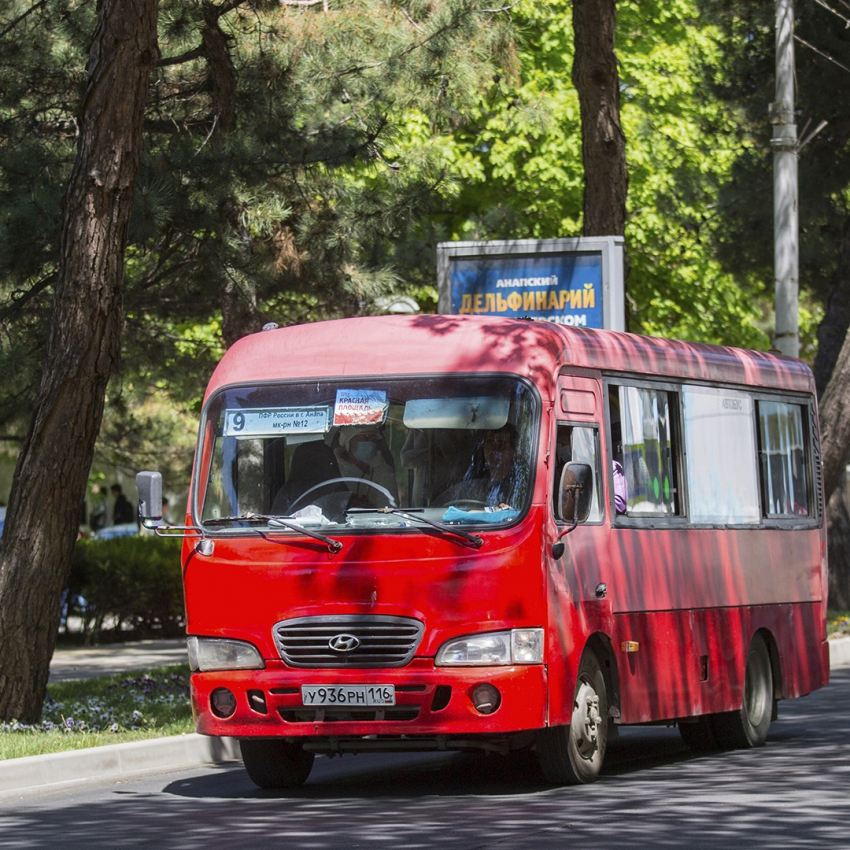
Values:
[(362, 452), (498, 485)]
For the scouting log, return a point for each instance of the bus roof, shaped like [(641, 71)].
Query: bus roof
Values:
[(430, 344)]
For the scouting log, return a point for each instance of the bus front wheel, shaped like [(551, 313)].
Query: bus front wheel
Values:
[(275, 764), (573, 755)]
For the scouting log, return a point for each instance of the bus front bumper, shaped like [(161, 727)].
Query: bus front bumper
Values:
[(429, 701)]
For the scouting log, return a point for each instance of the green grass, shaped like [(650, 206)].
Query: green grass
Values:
[(838, 623), (108, 710)]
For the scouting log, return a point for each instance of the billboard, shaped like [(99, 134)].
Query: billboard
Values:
[(576, 282)]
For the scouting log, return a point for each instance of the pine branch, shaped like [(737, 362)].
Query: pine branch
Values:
[(21, 299), (23, 17), (188, 56), (407, 50)]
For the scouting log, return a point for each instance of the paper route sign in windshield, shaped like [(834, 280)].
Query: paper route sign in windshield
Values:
[(360, 407), (263, 422)]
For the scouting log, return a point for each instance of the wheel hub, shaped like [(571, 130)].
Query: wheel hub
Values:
[(586, 721)]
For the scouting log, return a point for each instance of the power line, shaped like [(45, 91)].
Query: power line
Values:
[(835, 12), (821, 53)]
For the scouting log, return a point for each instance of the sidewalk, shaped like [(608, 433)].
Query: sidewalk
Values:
[(121, 761), (88, 662)]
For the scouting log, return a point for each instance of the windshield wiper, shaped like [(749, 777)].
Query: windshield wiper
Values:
[(474, 539), (333, 545)]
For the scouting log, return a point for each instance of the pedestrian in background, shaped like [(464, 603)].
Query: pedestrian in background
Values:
[(122, 510)]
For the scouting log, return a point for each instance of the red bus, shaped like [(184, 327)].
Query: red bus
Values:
[(455, 533)]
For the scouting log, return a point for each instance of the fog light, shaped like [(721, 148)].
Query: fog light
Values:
[(223, 702), (486, 698)]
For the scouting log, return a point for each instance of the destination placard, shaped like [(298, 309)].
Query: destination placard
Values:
[(265, 422)]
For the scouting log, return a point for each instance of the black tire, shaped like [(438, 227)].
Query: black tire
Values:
[(275, 764), (748, 727), (573, 755)]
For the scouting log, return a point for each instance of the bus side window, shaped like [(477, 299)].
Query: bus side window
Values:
[(643, 425), (783, 459), (581, 444)]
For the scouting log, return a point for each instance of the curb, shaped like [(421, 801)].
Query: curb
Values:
[(114, 761), (183, 752), (839, 652)]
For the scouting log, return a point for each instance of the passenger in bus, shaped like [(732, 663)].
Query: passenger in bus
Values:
[(621, 488), (435, 458), (497, 484), (362, 452)]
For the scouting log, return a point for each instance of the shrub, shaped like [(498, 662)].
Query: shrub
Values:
[(131, 586)]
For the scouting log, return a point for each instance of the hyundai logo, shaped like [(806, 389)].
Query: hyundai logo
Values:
[(344, 643)]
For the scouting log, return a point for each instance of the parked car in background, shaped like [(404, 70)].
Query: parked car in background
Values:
[(125, 529)]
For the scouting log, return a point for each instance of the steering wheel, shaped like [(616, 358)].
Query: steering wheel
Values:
[(346, 478)]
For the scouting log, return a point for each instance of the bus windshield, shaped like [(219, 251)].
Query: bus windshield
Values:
[(386, 453)]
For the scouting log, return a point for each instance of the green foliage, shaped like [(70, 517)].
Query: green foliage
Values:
[(130, 587), (276, 182), (742, 79), (524, 173)]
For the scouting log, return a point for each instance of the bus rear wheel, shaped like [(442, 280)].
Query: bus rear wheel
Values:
[(573, 755), (747, 727), (271, 763)]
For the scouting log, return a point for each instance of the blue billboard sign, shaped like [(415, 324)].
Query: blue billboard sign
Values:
[(575, 282), (561, 288)]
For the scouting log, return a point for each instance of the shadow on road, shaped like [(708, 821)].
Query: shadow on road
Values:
[(792, 793)]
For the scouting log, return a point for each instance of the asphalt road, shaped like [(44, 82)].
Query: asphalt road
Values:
[(794, 792)]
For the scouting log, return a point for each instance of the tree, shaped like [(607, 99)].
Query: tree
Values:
[(269, 171), (747, 84), (276, 177), (82, 351), (523, 175), (603, 144)]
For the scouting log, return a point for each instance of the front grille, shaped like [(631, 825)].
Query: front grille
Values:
[(361, 641)]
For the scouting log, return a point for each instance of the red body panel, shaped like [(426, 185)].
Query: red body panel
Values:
[(689, 598)]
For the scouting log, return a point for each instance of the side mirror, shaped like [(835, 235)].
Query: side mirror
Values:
[(575, 493), (149, 485)]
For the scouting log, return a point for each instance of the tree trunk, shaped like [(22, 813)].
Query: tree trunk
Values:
[(83, 350), (833, 383), (836, 320), (838, 535), (237, 293), (603, 145), (835, 420), (835, 426)]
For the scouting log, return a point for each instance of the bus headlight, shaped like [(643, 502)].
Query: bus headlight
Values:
[(207, 654), (493, 649)]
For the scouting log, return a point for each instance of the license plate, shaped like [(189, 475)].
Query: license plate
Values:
[(353, 695)]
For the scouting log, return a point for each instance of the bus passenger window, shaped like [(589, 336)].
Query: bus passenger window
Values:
[(783, 459), (642, 438), (720, 441)]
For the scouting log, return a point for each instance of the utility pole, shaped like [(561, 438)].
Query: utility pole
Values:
[(785, 149)]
